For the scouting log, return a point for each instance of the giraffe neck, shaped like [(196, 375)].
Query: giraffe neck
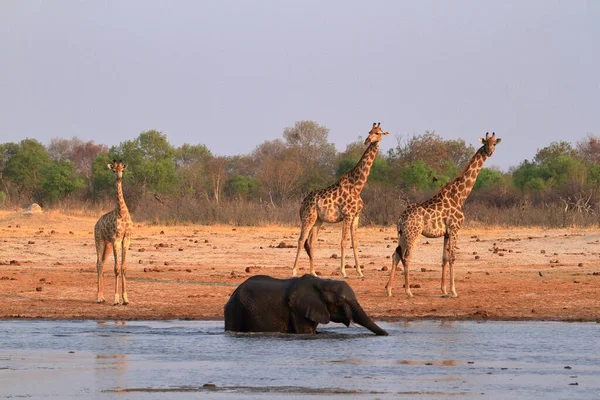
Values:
[(121, 208), (464, 182), (359, 174)]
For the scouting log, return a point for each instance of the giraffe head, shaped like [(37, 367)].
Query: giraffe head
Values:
[(375, 134), (489, 143), (117, 167)]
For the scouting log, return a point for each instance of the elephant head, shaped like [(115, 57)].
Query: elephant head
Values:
[(325, 300)]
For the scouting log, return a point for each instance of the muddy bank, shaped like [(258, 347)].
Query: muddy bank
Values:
[(47, 270)]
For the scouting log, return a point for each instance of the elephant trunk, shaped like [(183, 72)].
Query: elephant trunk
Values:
[(360, 317)]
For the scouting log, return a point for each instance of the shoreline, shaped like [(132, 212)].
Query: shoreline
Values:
[(384, 319)]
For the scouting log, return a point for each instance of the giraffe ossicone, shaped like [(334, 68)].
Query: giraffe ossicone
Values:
[(439, 216), (339, 202), (113, 231)]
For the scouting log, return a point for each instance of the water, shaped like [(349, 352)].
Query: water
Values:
[(181, 359)]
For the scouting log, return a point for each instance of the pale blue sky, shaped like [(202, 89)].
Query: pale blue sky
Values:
[(232, 74)]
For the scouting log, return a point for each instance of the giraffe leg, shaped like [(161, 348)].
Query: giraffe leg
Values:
[(311, 243), (301, 241), (404, 256), (306, 227), (452, 256), (444, 265), (408, 244), (345, 228), (116, 250), (126, 241), (395, 260), (353, 227), (102, 249), (405, 264), (396, 257)]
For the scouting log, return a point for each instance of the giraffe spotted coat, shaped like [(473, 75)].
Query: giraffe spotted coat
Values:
[(339, 202), (439, 216)]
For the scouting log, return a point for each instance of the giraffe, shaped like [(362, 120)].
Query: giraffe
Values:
[(340, 202), (439, 216), (113, 230)]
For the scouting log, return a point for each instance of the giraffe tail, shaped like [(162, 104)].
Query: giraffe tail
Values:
[(307, 243), (401, 254)]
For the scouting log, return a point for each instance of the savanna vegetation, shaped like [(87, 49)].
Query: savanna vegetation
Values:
[(558, 187)]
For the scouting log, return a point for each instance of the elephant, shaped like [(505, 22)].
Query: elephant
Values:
[(295, 305)]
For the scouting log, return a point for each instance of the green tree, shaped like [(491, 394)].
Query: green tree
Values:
[(103, 180), (554, 150), (241, 187), (346, 164), (7, 150), (24, 167), (446, 172), (151, 161), (242, 165), (380, 170), (189, 154), (192, 165), (525, 172), (427, 160), (554, 167), (563, 169), (535, 185), (60, 180), (417, 176), (487, 178), (593, 173)]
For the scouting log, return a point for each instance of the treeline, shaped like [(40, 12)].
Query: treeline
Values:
[(167, 184)]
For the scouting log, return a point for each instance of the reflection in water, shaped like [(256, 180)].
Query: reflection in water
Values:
[(111, 365), (115, 322), (439, 363), (447, 323), (118, 359), (452, 336), (113, 368)]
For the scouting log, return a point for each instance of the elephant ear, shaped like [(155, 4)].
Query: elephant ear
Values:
[(307, 302)]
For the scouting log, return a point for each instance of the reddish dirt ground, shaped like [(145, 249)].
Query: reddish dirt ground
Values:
[(47, 270)]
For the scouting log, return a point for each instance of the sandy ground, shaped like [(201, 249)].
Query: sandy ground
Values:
[(47, 270)]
